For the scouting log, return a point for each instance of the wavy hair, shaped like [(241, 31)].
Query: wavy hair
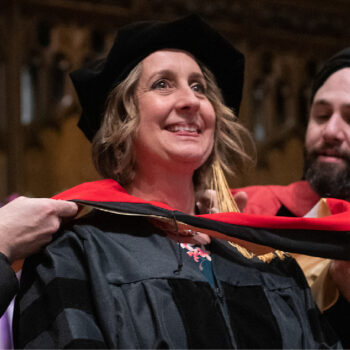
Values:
[(112, 146)]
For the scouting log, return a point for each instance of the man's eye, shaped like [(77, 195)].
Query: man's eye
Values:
[(198, 87), (159, 84), (322, 117)]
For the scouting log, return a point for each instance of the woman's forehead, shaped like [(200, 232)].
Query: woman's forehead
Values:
[(169, 59)]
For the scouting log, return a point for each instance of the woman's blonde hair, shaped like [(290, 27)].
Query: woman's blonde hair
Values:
[(112, 146)]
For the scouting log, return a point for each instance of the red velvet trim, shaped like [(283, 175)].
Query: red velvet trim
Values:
[(338, 221), (110, 191), (104, 191), (297, 197)]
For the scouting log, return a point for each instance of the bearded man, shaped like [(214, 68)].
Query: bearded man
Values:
[(326, 174)]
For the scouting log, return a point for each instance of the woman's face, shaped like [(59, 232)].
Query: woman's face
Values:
[(177, 122)]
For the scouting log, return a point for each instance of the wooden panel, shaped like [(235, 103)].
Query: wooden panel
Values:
[(285, 41)]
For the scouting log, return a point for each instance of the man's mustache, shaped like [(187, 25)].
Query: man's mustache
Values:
[(330, 152)]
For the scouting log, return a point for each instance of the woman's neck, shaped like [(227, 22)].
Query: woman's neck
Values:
[(172, 188)]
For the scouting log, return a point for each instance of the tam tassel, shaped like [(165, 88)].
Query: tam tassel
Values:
[(225, 200)]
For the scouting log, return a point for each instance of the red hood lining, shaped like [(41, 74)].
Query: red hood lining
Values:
[(110, 191)]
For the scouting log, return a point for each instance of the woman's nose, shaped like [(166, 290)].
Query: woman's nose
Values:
[(187, 100)]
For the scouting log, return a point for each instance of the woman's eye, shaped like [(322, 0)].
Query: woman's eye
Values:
[(198, 87), (160, 84)]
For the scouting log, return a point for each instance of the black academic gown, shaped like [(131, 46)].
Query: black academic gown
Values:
[(111, 279)]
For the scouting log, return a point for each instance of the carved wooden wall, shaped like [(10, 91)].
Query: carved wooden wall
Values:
[(42, 151)]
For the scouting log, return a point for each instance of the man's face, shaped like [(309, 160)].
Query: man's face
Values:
[(327, 141)]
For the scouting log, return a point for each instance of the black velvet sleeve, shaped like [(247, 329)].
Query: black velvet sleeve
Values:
[(8, 283), (339, 318), (54, 308)]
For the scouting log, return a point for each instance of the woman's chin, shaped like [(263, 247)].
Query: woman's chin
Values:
[(191, 161)]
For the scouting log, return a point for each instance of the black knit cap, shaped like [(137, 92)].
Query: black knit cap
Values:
[(136, 41), (339, 61)]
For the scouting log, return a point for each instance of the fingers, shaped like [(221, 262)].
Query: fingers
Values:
[(65, 209), (207, 202), (27, 224), (241, 199)]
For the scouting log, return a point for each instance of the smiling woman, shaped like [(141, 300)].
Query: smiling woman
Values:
[(176, 126), (130, 274), (179, 94), (161, 102), (177, 121)]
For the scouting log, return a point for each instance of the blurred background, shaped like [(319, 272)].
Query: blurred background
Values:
[(42, 151)]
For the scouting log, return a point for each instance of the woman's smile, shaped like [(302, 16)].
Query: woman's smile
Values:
[(177, 121), (184, 129)]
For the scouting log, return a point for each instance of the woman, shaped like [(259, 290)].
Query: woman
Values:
[(123, 276)]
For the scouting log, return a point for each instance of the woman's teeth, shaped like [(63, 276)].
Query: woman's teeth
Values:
[(176, 128)]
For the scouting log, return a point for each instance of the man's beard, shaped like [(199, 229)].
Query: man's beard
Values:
[(327, 179)]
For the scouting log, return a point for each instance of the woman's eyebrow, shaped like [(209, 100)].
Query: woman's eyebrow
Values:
[(171, 72), (197, 75), (163, 72)]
